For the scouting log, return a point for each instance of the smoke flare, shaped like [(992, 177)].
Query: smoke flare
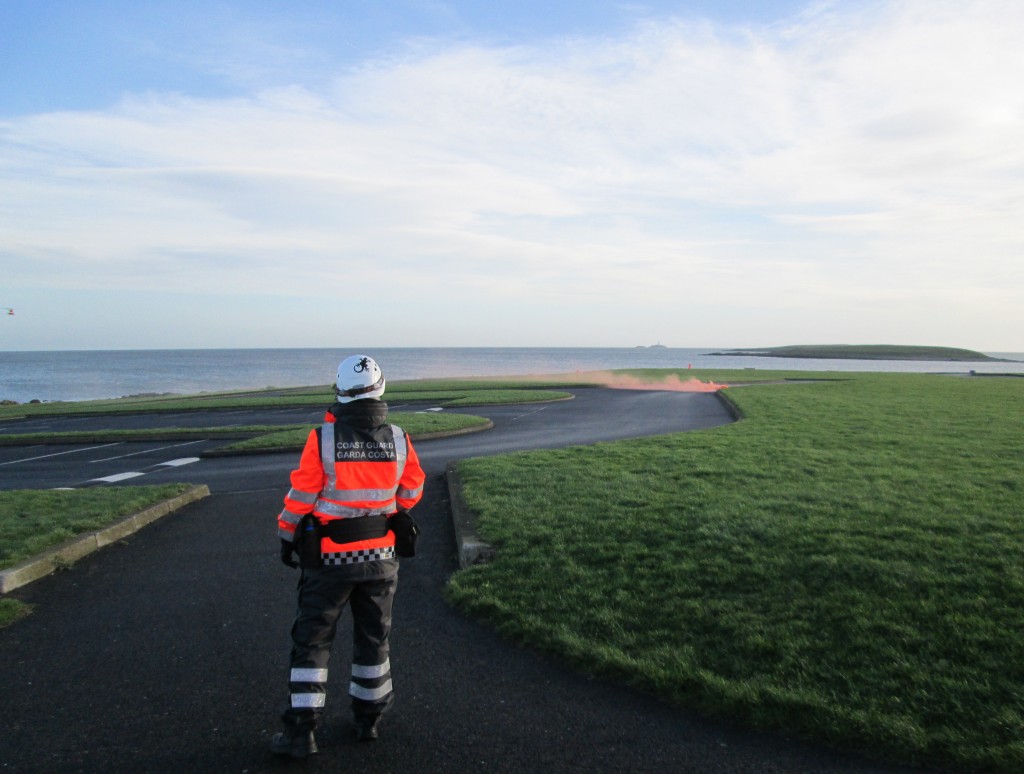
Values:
[(671, 383)]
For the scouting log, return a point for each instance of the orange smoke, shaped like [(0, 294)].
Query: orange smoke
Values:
[(671, 383)]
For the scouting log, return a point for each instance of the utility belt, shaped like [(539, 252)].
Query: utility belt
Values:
[(360, 528), (310, 531)]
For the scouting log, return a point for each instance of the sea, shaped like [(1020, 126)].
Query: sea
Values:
[(96, 374)]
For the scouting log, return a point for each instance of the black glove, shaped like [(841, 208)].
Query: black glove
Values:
[(287, 549)]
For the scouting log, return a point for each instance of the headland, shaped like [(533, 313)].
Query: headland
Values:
[(866, 352)]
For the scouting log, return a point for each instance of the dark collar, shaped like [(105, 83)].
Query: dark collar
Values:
[(366, 413)]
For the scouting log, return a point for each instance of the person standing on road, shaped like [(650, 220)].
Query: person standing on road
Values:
[(348, 503)]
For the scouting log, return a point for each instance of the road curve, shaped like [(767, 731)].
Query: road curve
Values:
[(168, 651)]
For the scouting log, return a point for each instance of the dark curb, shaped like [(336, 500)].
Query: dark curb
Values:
[(82, 545), (471, 549), (734, 411), (488, 425)]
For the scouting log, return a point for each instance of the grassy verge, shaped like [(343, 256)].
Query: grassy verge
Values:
[(33, 521), (844, 564), (12, 610), (414, 424)]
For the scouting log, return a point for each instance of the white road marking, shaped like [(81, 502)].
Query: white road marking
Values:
[(135, 473), (117, 477), (146, 451), (528, 413), (58, 454), (179, 463), (424, 411)]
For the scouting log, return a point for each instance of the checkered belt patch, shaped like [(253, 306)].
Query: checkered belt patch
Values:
[(354, 557)]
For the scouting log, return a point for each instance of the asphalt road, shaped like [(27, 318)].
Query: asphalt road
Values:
[(167, 652)]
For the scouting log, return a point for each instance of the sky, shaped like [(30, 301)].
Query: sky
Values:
[(422, 173)]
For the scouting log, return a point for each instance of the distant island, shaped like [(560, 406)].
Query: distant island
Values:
[(865, 352)]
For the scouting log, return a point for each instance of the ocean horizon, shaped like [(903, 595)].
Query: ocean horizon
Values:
[(95, 374)]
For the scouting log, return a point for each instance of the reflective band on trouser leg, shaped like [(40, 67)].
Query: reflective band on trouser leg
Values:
[(307, 675), (308, 687), (371, 682), (309, 700), (372, 672)]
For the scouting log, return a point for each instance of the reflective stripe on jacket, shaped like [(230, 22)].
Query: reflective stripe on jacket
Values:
[(355, 473)]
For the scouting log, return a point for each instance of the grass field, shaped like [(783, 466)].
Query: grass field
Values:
[(844, 564)]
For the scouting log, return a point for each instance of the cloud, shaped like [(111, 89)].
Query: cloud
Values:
[(844, 157)]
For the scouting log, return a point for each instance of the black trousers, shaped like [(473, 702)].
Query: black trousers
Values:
[(323, 594)]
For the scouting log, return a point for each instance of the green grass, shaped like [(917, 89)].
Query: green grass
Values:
[(12, 610), (844, 564), (32, 520), (294, 437)]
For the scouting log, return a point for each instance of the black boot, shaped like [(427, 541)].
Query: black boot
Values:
[(297, 744), (366, 728)]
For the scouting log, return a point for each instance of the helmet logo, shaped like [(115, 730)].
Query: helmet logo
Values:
[(362, 365)]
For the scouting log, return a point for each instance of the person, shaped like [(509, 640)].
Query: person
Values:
[(357, 479)]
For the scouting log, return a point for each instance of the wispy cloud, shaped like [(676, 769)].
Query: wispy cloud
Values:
[(848, 160)]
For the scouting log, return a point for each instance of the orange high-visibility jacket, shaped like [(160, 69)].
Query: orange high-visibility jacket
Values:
[(348, 472)]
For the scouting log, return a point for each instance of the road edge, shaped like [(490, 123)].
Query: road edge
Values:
[(69, 552), (470, 548)]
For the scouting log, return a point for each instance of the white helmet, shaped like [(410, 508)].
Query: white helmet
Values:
[(359, 377)]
